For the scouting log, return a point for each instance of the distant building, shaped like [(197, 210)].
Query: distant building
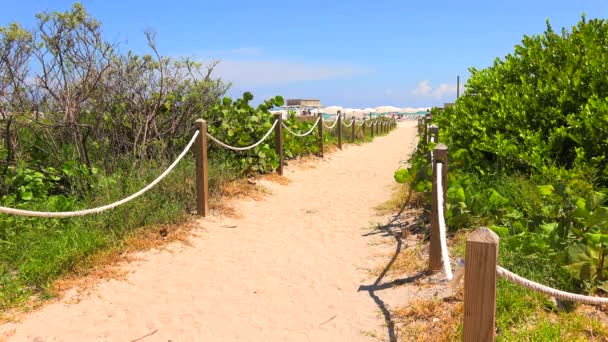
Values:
[(302, 106), (303, 103)]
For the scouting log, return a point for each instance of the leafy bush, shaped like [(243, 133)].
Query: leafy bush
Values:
[(528, 141), (238, 124)]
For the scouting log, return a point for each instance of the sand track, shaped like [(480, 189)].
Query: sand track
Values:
[(289, 270)]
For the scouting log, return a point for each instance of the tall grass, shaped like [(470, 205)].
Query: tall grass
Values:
[(39, 250)]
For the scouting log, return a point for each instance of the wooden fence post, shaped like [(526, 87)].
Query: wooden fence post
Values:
[(320, 128), (372, 128), (433, 133), (419, 127), (353, 124), (480, 286), (363, 128), (339, 129), (278, 134), (378, 126), (440, 155), (202, 180)]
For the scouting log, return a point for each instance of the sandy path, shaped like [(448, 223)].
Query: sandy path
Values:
[(288, 271)]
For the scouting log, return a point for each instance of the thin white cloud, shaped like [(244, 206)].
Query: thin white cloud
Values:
[(276, 72), (424, 89)]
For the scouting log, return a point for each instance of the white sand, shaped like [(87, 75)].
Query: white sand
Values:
[(288, 271)]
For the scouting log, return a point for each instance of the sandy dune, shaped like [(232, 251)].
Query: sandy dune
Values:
[(289, 270)]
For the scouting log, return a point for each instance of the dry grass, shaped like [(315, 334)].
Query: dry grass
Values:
[(222, 200), (409, 261), (402, 195), (275, 178), (243, 188), (430, 319)]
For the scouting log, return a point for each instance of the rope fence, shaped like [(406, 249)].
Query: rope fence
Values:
[(301, 134), (481, 265), (97, 210), (202, 184), (445, 256), (234, 148), (335, 122)]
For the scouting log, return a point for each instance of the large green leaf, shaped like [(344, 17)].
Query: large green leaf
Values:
[(402, 176)]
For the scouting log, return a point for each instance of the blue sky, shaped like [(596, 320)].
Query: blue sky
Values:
[(354, 54)]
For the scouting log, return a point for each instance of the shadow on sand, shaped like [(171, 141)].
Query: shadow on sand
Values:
[(396, 228)]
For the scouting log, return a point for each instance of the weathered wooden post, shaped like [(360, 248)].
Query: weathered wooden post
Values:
[(480, 286), (419, 127), (378, 123), (363, 128), (440, 155), (278, 134), (353, 125), (202, 180), (339, 118), (372, 128)]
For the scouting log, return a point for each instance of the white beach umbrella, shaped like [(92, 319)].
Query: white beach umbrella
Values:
[(387, 109), (331, 109)]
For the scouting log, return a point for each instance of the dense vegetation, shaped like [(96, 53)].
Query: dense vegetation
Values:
[(83, 124), (528, 142)]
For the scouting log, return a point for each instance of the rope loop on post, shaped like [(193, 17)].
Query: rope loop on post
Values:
[(302, 134), (335, 122), (215, 140), (351, 122)]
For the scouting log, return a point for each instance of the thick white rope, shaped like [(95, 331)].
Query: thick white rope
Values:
[(360, 123), (247, 147), (299, 134), (334, 125), (370, 123), (573, 297), (97, 210), (432, 156), (351, 122), (447, 268)]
